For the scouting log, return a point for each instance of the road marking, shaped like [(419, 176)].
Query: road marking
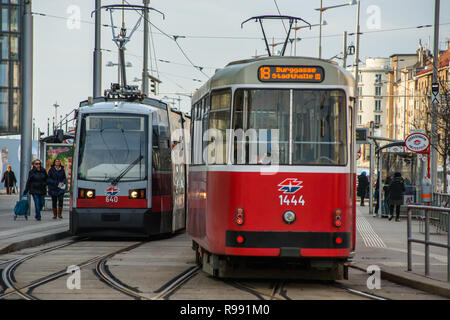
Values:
[(369, 236)]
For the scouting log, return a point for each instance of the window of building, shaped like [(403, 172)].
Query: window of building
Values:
[(378, 78), (377, 119), (360, 105), (377, 105), (378, 91), (359, 119)]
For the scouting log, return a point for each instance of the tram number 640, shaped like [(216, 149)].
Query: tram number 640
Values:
[(114, 199), (292, 201)]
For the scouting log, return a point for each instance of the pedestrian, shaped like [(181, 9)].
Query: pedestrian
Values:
[(377, 194), (396, 191), (363, 184), (387, 182), (37, 186), (9, 179), (57, 187)]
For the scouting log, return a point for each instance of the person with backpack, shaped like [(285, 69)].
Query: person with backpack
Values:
[(37, 186), (56, 187)]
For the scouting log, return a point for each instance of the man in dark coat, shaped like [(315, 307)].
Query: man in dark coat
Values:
[(396, 191), (37, 186), (9, 178), (363, 184)]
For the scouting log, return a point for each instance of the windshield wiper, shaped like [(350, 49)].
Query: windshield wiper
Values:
[(125, 171)]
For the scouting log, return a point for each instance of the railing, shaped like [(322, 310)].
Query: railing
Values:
[(441, 199), (427, 242)]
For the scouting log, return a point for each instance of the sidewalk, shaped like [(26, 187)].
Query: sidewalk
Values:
[(383, 243), (21, 233)]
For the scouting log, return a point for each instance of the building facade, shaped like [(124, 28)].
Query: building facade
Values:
[(10, 67)]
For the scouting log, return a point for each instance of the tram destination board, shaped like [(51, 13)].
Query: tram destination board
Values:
[(313, 74)]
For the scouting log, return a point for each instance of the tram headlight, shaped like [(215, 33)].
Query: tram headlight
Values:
[(136, 194), (289, 217), (86, 193)]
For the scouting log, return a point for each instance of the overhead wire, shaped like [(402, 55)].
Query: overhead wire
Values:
[(174, 38)]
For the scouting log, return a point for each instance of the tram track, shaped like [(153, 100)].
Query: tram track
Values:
[(8, 274), (163, 293)]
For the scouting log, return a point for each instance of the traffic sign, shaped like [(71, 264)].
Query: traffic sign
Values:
[(358, 154), (417, 142), (362, 135)]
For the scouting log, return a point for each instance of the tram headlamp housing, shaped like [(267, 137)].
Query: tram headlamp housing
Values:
[(136, 194), (289, 217), (239, 216), (86, 193)]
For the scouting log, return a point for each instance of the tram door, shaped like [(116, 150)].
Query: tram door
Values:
[(178, 171)]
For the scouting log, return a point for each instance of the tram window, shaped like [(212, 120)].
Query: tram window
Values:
[(205, 123), (219, 122), (258, 116), (108, 145), (319, 127)]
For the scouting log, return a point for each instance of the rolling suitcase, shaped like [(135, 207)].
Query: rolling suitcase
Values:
[(21, 208)]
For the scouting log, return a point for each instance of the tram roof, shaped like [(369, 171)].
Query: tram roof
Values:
[(102, 104), (245, 72)]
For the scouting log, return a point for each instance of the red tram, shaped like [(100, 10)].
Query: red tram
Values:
[(271, 178)]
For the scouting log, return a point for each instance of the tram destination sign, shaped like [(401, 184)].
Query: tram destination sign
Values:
[(314, 74)]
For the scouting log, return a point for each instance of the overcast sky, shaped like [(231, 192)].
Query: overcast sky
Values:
[(63, 48)]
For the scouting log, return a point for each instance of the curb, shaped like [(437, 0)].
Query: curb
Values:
[(411, 280), (34, 242)]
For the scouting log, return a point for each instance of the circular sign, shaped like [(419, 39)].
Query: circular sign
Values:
[(417, 142)]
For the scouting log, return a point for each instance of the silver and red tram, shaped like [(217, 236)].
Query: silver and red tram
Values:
[(272, 170), (128, 167)]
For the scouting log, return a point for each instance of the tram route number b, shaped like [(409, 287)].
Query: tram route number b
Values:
[(114, 199)]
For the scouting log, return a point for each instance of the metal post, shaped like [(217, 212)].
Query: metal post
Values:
[(427, 246), (408, 213), (372, 166), (97, 51), (380, 184), (145, 62), (320, 31), (434, 106), (27, 94), (448, 248), (344, 51)]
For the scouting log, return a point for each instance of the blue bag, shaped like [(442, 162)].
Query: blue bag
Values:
[(21, 208)]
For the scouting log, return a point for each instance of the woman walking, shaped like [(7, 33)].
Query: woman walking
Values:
[(56, 187), (9, 178), (37, 186)]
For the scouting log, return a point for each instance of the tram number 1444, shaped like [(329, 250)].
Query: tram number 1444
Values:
[(293, 200)]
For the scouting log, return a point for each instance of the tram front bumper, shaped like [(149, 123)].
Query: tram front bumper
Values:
[(105, 221)]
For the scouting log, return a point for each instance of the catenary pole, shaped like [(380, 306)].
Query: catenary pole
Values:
[(434, 106), (97, 85), (26, 116), (145, 62)]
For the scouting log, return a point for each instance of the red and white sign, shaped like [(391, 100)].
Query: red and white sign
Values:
[(417, 142), (358, 154)]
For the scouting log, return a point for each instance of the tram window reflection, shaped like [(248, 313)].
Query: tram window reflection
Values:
[(257, 114), (219, 122), (319, 127)]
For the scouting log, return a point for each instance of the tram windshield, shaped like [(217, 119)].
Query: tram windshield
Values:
[(318, 136), (110, 144)]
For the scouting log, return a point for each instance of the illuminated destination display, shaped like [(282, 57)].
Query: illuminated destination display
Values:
[(291, 74)]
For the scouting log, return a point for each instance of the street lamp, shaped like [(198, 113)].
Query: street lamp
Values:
[(301, 27), (112, 64), (321, 10)]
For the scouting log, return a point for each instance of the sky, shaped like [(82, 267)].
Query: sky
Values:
[(210, 36)]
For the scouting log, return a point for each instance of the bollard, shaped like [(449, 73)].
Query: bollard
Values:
[(426, 190)]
